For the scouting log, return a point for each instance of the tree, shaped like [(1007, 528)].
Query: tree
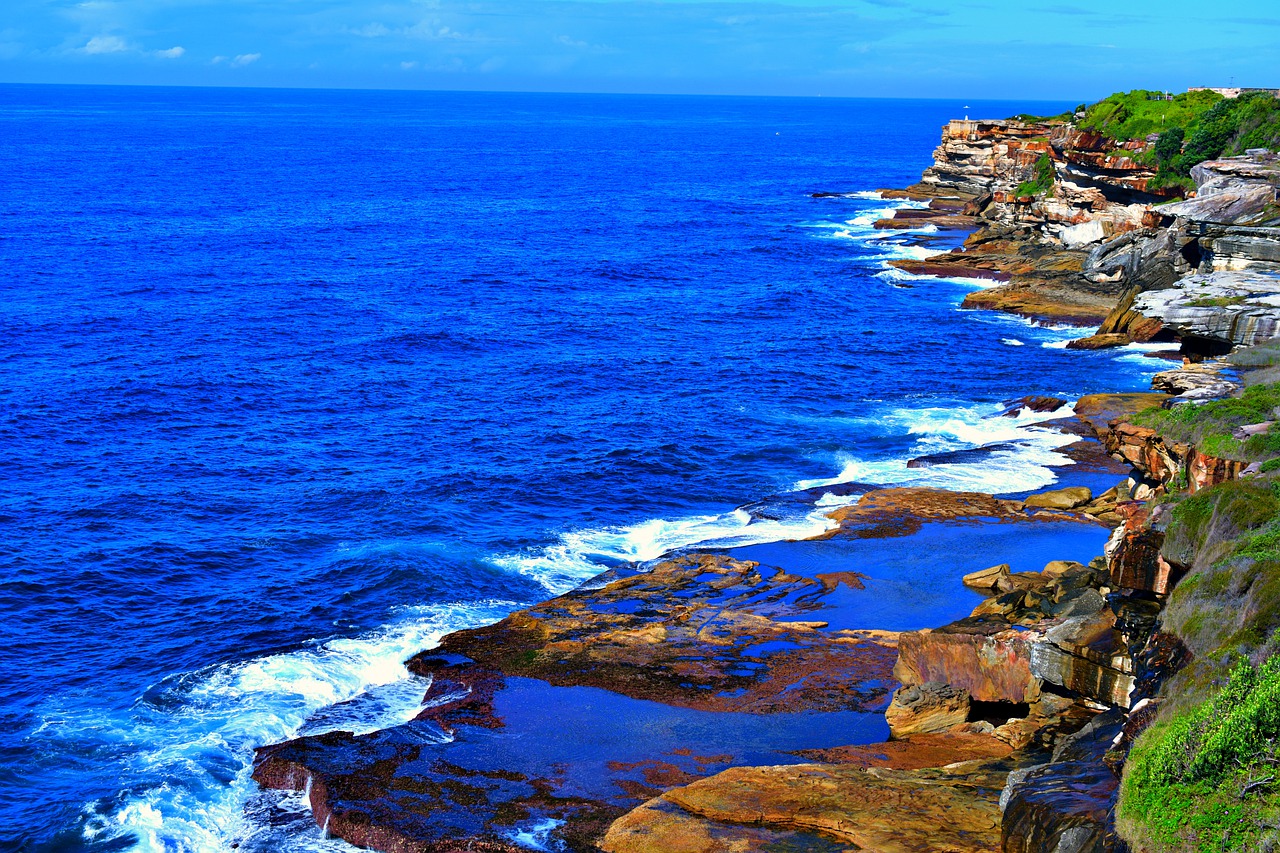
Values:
[(1169, 145)]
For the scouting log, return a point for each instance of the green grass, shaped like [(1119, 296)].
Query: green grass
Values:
[(1208, 426), (1198, 779), (1215, 301)]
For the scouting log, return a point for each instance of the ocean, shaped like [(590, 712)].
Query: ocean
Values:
[(295, 382)]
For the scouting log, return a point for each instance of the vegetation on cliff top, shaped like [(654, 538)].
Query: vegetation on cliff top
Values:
[(1190, 128), (1210, 427), (1137, 114), (1205, 779)]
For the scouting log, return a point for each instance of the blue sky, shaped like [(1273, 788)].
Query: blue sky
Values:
[(875, 48)]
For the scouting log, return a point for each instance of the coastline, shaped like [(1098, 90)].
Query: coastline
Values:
[(1007, 724)]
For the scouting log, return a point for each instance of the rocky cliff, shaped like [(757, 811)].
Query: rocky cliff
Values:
[(1066, 221)]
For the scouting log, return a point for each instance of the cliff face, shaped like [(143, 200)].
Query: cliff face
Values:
[(1097, 191)]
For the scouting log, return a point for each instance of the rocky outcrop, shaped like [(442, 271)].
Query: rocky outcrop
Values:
[(991, 662), (1231, 224), (926, 708), (1226, 309)]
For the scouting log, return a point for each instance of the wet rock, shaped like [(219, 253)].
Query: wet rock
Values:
[(926, 708), (917, 751), (1065, 805), (902, 511), (960, 457), (1038, 403), (1068, 498), (582, 707)]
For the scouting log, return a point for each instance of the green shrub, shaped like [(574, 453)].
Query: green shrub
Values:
[(1169, 145), (1042, 180), (1189, 780)]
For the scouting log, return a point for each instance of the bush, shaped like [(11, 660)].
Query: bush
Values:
[(1190, 780), (1133, 115), (1231, 127)]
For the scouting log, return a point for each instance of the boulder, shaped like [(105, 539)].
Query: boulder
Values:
[(1059, 568), (986, 579), (926, 708), (1088, 656), (1068, 498), (989, 661)]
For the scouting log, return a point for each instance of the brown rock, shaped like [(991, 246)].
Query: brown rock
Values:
[(953, 810), (901, 511), (1099, 410), (1099, 341), (1133, 554), (1058, 568)]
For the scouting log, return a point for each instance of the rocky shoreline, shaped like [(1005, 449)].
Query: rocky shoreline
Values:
[(752, 700)]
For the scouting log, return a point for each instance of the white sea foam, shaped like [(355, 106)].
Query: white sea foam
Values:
[(196, 737), (1023, 466), (581, 554), (1011, 342)]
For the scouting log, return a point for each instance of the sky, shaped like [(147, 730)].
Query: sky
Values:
[(969, 49)]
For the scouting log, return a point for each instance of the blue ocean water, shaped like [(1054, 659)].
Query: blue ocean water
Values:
[(294, 382)]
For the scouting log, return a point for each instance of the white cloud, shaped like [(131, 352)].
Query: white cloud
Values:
[(245, 59), (408, 66), (105, 44), (171, 53)]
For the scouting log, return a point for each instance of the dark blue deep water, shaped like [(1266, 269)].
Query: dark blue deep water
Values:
[(294, 382)]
